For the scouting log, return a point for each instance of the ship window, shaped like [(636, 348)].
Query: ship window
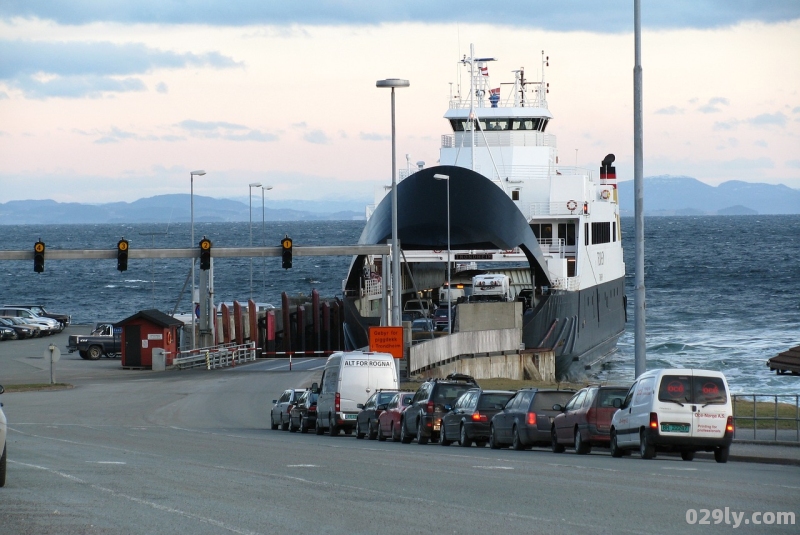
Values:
[(601, 232), (535, 229), (570, 266), (613, 231), (515, 195), (542, 231), (586, 234), (497, 124), (544, 124), (566, 231)]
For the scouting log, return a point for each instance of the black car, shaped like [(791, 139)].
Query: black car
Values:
[(468, 422), (367, 419), (431, 401), (282, 407), (21, 331), (527, 419), (303, 414), (7, 333)]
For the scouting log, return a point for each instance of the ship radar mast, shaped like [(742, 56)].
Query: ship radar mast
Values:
[(475, 89)]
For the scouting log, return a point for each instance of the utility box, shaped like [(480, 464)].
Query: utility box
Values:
[(145, 331)]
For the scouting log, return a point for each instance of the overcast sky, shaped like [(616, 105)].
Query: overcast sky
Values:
[(119, 100)]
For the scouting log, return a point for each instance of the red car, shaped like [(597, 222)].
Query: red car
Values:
[(585, 420), (389, 419)]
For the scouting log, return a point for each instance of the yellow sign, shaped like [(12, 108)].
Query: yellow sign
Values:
[(386, 340), (39, 247), (286, 243), (123, 246), (205, 244)]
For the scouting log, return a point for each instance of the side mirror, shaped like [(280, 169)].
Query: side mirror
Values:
[(558, 407), (448, 408), (274, 401), (360, 406), (617, 403)]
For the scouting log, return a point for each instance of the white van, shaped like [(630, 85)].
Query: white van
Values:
[(349, 379), (674, 410)]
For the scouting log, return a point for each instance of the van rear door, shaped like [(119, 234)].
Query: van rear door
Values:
[(674, 405), (710, 406)]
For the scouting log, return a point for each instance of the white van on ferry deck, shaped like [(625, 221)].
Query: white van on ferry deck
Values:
[(351, 378)]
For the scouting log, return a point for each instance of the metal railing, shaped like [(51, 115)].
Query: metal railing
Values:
[(766, 417), (221, 356)]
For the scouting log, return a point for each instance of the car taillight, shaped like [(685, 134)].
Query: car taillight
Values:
[(729, 425), (312, 409), (531, 418), (336, 402), (429, 408), (653, 420), (478, 417)]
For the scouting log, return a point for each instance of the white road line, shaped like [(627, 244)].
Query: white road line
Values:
[(494, 467), (682, 469), (302, 466), (140, 501), (106, 462)]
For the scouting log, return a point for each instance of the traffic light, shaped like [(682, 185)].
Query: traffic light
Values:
[(286, 255), (38, 256), (205, 253), (122, 255)]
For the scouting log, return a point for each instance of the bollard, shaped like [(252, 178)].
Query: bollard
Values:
[(208, 360)]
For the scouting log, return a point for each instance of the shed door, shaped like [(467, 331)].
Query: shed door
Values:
[(133, 345)]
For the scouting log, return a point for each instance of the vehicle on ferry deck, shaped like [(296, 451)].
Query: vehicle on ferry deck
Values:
[(389, 420), (585, 420)]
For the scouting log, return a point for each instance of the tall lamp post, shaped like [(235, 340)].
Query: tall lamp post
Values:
[(264, 244), (191, 200), (396, 290), (449, 289), (250, 197)]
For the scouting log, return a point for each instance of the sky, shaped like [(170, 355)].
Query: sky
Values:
[(120, 100)]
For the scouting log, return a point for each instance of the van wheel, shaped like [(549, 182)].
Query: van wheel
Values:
[(318, 429), (646, 450), (463, 439), (581, 447), (554, 445), (420, 439), (516, 442), (372, 430), (333, 429), (493, 439), (404, 437), (721, 454), (615, 451), (687, 455)]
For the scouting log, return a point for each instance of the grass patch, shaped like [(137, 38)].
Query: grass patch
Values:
[(743, 415), (35, 387)]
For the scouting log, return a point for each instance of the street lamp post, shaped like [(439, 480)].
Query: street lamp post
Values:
[(191, 200), (396, 290), (449, 289), (264, 244), (250, 198)]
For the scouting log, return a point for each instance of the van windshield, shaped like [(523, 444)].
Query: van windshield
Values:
[(688, 389)]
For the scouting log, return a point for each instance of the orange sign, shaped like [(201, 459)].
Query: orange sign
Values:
[(386, 340)]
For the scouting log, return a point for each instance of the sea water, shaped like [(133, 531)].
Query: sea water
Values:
[(722, 292)]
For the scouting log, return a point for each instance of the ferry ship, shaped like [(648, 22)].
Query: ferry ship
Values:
[(510, 202)]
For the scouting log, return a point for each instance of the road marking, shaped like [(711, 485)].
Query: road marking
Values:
[(493, 467), (140, 501), (106, 462), (682, 469), (302, 466)]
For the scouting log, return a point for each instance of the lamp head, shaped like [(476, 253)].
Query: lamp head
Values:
[(392, 82), (198, 173)]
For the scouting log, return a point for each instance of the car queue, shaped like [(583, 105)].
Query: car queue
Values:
[(676, 410)]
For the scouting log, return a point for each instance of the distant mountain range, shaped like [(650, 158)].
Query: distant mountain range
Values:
[(663, 195), (683, 195)]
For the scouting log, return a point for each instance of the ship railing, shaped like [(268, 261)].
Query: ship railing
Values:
[(566, 283), (553, 246), (219, 356), (766, 418), (505, 138), (372, 287), (537, 209), (469, 266)]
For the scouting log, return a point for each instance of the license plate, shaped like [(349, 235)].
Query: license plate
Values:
[(675, 428), (435, 427), (350, 416)]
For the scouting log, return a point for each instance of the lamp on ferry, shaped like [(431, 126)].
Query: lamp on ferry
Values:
[(264, 243), (446, 178), (193, 174), (396, 289), (250, 197)]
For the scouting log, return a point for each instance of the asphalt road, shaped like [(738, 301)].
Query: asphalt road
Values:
[(129, 452)]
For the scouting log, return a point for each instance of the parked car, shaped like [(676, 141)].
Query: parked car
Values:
[(282, 407), (527, 419), (7, 333), (440, 317), (389, 420), (367, 419), (349, 378), (423, 419), (681, 410), (425, 306), (39, 310), (468, 422), (21, 331), (23, 328), (50, 325), (303, 414), (4, 455), (585, 420)]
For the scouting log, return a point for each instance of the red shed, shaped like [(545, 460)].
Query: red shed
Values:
[(145, 330)]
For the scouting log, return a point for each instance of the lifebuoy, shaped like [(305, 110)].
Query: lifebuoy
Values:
[(605, 194), (571, 205)]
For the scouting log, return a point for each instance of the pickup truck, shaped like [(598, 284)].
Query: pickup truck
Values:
[(105, 339)]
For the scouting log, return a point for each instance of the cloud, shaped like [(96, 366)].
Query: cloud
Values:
[(769, 119), (371, 136), (74, 70), (726, 125), (162, 87), (711, 106), (225, 130), (743, 164), (670, 110), (761, 143), (793, 163), (317, 137), (796, 109), (582, 15)]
